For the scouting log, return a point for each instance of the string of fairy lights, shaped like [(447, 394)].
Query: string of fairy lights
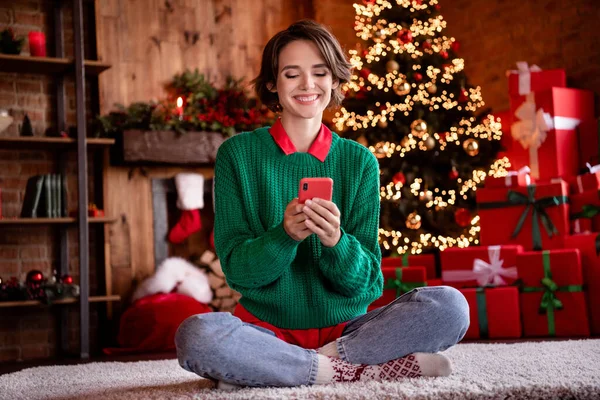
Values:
[(390, 38)]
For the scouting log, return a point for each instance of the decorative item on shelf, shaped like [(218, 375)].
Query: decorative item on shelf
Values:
[(418, 127), (67, 279), (413, 221), (10, 43), (37, 44), (471, 147), (26, 128), (402, 89), (180, 108), (12, 290), (34, 278), (93, 211), (5, 120)]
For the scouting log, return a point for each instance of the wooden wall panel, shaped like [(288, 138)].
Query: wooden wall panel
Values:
[(145, 42)]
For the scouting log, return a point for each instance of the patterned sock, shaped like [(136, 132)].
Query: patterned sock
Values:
[(329, 350), (411, 366)]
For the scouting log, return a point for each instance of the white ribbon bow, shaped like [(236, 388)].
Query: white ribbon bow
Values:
[(483, 272), (524, 72), (593, 169), (522, 171)]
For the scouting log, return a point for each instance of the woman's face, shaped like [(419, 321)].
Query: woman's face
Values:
[(304, 81)]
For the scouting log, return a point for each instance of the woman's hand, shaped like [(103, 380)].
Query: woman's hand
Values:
[(294, 221), (324, 220)]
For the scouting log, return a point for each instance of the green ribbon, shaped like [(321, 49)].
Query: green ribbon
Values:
[(538, 208), (399, 286), (482, 313), (405, 259), (588, 211), (550, 302)]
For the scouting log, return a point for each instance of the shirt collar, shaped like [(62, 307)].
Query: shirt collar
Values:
[(319, 148)]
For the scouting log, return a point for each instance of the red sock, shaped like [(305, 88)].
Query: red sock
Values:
[(188, 223)]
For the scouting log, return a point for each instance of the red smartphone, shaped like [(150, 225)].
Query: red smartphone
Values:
[(315, 187)]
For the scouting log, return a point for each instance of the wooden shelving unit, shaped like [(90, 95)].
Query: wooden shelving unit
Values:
[(47, 221), (47, 65), (33, 303), (43, 142), (60, 67)]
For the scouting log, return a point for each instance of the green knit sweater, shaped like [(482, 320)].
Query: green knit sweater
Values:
[(290, 284)]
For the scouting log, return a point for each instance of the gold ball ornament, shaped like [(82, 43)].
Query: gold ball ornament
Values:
[(429, 143), (382, 124), (363, 140), (413, 221), (471, 147), (402, 88), (404, 142), (392, 66), (432, 89), (418, 127)]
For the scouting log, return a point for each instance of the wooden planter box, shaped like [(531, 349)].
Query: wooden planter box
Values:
[(167, 147)]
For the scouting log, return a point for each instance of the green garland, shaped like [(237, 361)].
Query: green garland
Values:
[(205, 108)]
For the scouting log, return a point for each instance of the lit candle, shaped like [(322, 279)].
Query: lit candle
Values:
[(180, 107)]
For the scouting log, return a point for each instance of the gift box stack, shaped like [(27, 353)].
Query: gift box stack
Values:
[(536, 272), (402, 274)]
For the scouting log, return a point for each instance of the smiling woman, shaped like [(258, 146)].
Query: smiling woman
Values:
[(308, 271)]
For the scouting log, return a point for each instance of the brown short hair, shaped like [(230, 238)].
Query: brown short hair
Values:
[(327, 44)]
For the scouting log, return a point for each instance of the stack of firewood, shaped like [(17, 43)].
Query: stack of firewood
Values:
[(225, 299)]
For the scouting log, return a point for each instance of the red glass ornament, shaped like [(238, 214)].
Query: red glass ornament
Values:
[(464, 95), (455, 46), (438, 7), (365, 72), (462, 216), (444, 54), (453, 174), (405, 36), (34, 277), (417, 76), (399, 178), (67, 279), (426, 44)]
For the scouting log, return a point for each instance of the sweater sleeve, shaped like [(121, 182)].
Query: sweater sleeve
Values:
[(353, 264), (247, 258)]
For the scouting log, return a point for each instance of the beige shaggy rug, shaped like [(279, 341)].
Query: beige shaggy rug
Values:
[(531, 370)]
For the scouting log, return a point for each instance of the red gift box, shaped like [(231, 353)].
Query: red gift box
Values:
[(477, 266), (585, 211), (406, 260), (527, 79), (521, 177), (588, 245), (587, 133), (585, 182), (545, 128), (397, 281), (494, 312), (522, 215), (552, 298)]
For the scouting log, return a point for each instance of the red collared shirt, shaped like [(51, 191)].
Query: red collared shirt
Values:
[(319, 148)]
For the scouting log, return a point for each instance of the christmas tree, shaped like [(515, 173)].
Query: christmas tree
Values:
[(411, 104)]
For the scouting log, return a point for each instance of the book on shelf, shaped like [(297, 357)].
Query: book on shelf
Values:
[(45, 196)]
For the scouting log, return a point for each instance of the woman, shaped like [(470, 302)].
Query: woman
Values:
[(307, 272)]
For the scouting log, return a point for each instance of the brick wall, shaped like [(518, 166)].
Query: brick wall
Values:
[(31, 333)]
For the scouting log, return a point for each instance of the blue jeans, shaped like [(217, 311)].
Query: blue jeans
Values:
[(220, 346)]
